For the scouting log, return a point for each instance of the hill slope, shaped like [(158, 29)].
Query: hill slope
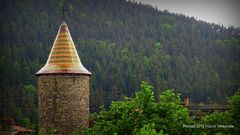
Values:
[(121, 43)]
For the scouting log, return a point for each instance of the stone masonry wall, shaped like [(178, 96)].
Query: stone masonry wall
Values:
[(63, 102)]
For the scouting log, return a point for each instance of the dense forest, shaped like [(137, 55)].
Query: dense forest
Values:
[(122, 43)]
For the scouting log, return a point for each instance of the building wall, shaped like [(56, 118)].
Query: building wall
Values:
[(63, 102)]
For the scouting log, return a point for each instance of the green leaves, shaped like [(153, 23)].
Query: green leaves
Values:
[(169, 96), (167, 27), (29, 88), (230, 118), (143, 115), (234, 103), (145, 98), (25, 122), (158, 46), (149, 129)]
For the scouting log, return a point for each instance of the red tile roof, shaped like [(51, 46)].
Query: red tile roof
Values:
[(20, 129)]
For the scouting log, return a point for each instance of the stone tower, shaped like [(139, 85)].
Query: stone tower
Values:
[(63, 88)]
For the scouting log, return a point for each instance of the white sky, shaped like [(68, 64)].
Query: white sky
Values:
[(226, 12)]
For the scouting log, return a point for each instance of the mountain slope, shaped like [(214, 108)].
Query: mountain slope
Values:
[(122, 44)]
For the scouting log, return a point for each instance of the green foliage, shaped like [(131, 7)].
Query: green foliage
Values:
[(41, 132), (215, 119), (166, 27), (230, 118), (75, 132), (53, 131), (25, 122), (169, 96), (173, 114), (158, 47), (30, 88), (149, 130), (234, 103), (131, 114)]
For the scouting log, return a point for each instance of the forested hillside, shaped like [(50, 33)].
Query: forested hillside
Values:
[(122, 44)]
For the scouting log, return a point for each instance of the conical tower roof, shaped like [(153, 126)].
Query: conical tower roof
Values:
[(63, 58)]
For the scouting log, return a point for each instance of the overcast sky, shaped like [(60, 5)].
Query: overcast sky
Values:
[(226, 12)]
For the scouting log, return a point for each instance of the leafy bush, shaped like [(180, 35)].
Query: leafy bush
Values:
[(234, 112), (230, 119), (212, 122), (149, 130), (137, 114)]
